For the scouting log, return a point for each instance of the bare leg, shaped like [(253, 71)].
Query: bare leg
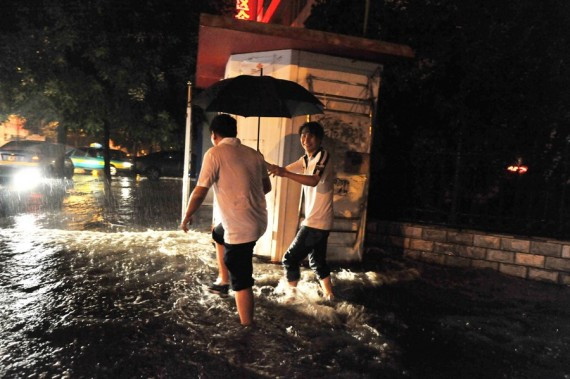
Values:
[(327, 288), (244, 303), (223, 275)]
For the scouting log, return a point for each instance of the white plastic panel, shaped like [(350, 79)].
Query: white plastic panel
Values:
[(349, 89)]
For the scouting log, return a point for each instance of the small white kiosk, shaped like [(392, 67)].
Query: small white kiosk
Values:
[(349, 89)]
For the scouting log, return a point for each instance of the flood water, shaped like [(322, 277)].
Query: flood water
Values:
[(106, 286)]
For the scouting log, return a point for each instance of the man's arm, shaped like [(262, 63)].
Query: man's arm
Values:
[(196, 199), (307, 180)]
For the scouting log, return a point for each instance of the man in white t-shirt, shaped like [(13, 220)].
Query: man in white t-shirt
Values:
[(314, 171), (240, 181)]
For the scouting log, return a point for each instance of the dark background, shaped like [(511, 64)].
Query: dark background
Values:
[(488, 88)]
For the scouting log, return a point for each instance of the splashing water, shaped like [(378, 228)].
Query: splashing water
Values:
[(97, 282), (88, 299), (84, 303)]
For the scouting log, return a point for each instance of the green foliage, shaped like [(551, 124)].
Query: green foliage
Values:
[(96, 62)]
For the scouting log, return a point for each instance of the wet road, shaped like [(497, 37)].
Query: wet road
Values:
[(103, 285), (133, 204)]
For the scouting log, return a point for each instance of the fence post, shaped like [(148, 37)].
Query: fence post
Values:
[(456, 178)]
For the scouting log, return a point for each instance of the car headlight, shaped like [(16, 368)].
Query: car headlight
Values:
[(127, 164), (27, 179)]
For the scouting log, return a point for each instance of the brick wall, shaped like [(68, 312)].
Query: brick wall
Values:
[(529, 258)]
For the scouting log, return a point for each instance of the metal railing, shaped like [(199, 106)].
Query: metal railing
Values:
[(475, 192)]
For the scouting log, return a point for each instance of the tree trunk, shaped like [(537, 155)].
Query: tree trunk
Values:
[(61, 140), (107, 150)]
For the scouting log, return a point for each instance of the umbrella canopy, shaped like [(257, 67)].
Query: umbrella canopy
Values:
[(261, 96)]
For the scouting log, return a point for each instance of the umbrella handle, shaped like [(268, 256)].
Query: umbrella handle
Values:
[(258, 129), (260, 67)]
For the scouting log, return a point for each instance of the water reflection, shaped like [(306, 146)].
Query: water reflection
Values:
[(102, 284), (85, 303), (25, 221), (97, 282), (88, 203)]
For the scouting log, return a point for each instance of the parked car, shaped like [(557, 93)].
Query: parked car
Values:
[(92, 158), (27, 163), (162, 163)]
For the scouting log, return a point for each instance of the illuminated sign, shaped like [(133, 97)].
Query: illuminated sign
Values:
[(246, 10), (518, 169)]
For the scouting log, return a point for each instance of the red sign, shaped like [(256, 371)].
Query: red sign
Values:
[(246, 10)]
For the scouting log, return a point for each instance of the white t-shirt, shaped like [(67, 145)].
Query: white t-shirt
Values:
[(318, 199), (236, 173)]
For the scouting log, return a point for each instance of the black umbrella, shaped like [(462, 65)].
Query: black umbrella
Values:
[(261, 96)]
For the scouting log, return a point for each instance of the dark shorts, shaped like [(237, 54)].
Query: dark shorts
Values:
[(238, 260), (309, 242), (218, 234)]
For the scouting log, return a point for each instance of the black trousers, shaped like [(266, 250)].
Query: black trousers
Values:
[(309, 242)]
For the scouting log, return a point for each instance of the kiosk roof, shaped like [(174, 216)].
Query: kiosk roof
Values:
[(220, 37)]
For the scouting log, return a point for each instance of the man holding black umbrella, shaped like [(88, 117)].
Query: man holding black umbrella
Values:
[(240, 181)]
